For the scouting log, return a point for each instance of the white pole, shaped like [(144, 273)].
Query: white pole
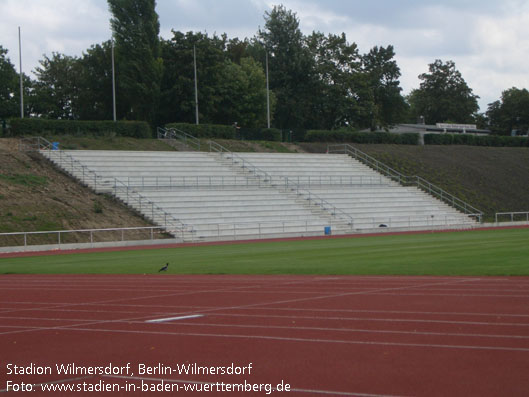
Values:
[(267, 93), (196, 84), (21, 77), (113, 83)]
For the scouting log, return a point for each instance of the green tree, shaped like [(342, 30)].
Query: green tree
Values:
[(242, 89), (443, 95), (382, 73), (57, 87), (337, 85), (510, 113), (178, 82), (9, 106), (231, 85), (95, 84), (139, 67), (290, 66)]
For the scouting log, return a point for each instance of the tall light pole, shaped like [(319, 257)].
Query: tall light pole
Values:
[(196, 84), (113, 83), (21, 78), (267, 93)]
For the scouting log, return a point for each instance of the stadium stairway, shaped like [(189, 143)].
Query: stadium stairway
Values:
[(368, 197), (207, 197), (203, 196)]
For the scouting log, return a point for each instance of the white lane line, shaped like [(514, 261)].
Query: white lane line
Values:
[(289, 309), (269, 316), (163, 320), (293, 339)]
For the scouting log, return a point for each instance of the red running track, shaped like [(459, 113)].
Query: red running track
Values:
[(323, 336)]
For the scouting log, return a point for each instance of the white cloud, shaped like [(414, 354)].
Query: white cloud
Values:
[(488, 40), (64, 26)]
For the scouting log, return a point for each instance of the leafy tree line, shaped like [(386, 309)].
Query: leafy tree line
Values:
[(317, 81)]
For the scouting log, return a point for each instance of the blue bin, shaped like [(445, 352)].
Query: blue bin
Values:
[(327, 230), (55, 146)]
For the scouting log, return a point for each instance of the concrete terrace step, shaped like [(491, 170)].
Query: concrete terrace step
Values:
[(216, 197)]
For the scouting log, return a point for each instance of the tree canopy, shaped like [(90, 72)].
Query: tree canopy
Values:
[(317, 81), (443, 95), (8, 86), (510, 113), (139, 67)]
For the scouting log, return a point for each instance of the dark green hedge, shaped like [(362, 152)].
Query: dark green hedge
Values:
[(475, 140), (228, 132), (205, 130), (259, 134), (361, 137), (32, 126)]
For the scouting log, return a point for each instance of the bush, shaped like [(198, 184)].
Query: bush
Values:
[(34, 126), (475, 140), (205, 130), (259, 134), (361, 137)]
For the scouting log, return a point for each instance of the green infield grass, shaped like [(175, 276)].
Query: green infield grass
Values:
[(496, 252)]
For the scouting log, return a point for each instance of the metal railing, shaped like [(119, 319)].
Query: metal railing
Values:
[(33, 144), (59, 237), (285, 181), (174, 133), (236, 159), (233, 181), (90, 178), (260, 229), (405, 180), (514, 216)]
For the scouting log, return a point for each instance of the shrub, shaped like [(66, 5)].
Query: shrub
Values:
[(35, 126), (259, 134), (361, 137), (475, 140), (205, 130)]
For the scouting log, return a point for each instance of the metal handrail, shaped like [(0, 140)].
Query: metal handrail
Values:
[(34, 143), (224, 180), (43, 144), (235, 158), (375, 221), (512, 215), (91, 231), (324, 204), (289, 184), (405, 180), (245, 164), (175, 133)]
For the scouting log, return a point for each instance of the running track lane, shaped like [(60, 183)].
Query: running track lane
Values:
[(331, 335)]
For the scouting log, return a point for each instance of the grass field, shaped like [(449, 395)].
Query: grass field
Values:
[(477, 253)]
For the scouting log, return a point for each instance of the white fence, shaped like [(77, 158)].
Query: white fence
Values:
[(59, 237), (512, 216)]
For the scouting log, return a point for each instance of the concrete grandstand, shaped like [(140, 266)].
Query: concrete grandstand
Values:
[(209, 196)]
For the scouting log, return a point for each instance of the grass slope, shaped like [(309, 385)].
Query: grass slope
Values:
[(477, 253), (35, 196), (492, 179)]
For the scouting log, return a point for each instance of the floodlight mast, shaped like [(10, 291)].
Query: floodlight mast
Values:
[(21, 77), (196, 84), (267, 94), (113, 83)]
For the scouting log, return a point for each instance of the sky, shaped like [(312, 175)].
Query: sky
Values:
[(487, 39)]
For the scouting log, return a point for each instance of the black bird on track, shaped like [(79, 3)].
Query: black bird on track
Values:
[(163, 269)]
